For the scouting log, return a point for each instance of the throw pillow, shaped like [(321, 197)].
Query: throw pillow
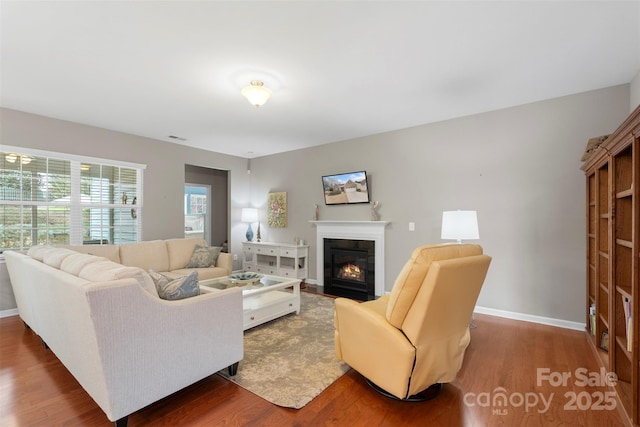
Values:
[(175, 289), (159, 279), (204, 256)]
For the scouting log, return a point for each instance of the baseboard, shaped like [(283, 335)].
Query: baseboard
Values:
[(9, 313), (532, 318)]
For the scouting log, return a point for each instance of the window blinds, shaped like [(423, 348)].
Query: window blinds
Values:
[(51, 198)]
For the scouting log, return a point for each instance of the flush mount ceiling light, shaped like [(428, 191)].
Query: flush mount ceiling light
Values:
[(256, 93)]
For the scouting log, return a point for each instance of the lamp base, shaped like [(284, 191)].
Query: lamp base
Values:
[(249, 234)]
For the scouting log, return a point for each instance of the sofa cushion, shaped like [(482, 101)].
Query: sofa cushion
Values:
[(111, 252), (180, 251), (76, 262), (55, 256), (204, 256), (175, 289), (104, 271), (37, 252), (150, 255)]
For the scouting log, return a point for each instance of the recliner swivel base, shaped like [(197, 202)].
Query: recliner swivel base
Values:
[(427, 394)]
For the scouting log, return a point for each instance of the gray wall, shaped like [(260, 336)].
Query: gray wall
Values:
[(518, 167)]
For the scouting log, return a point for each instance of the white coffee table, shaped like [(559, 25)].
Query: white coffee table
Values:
[(269, 298)]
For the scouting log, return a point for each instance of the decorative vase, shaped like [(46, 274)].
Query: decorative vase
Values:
[(249, 234), (374, 212)]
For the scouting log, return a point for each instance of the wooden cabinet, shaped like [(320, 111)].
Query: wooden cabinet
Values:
[(278, 259), (613, 251)]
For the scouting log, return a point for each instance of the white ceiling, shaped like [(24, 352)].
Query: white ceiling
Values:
[(338, 69)]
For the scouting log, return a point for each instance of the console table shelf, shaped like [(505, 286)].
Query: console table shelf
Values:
[(280, 259)]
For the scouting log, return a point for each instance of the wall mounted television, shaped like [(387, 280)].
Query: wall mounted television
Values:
[(346, 188)]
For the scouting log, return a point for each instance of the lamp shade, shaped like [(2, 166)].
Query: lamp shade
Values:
[(249, 215), (256, 93), (459, 225)]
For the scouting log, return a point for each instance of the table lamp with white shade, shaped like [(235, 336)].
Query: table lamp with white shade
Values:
[(249, 215), (460, 225)]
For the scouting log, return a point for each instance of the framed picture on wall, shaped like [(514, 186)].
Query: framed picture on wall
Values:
[(277, 210), (346, 188)]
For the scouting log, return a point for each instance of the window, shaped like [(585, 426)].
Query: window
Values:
[(196, 211), (52, 198)]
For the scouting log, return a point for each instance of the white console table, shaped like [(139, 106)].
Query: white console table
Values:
[(279, 259)]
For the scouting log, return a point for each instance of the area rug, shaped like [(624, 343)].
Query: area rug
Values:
[(291, 360)]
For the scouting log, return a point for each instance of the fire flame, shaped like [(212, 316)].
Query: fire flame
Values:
[(350, 271)]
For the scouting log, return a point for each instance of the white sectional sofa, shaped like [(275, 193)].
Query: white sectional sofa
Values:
[(169, 256), (105, 322)]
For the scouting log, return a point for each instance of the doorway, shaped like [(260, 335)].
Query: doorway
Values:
[(216, 207)]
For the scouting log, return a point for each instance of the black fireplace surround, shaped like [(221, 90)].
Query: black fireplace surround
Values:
[(349, 268)]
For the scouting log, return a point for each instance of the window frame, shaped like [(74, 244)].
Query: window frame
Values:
[(75, 204)]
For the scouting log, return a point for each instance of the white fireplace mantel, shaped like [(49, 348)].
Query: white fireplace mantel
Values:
[(353, 230)]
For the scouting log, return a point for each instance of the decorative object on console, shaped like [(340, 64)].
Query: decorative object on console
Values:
[(374, 213), (257, 93), (249, 215), (458, 225), (277, 210), (346, 188)]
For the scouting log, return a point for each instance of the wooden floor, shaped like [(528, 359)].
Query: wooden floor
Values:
[(502, 359)]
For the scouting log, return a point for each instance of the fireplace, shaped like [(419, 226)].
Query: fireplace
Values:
[(353, 230), (349, 268)]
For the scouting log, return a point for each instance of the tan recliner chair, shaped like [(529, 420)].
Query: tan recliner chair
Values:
[(406, 344)]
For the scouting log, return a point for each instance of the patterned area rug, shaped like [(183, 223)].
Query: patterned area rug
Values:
[(291, 360)]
